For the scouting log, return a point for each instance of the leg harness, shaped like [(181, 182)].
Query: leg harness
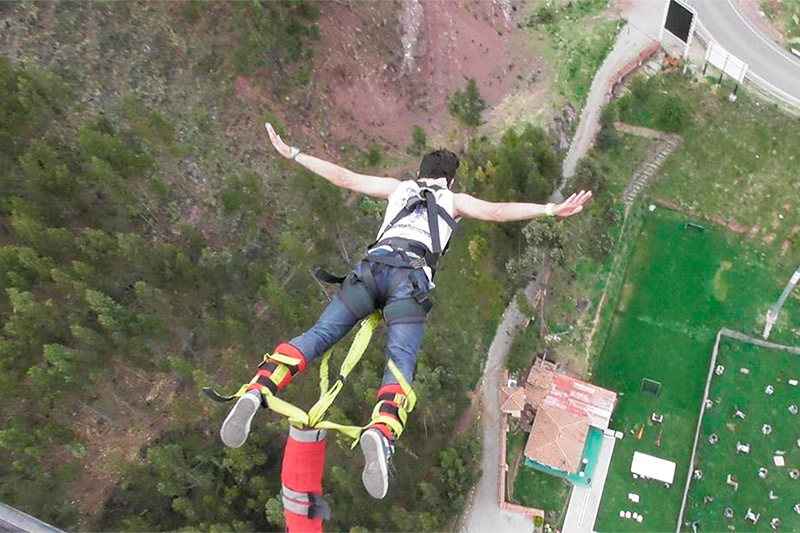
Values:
[(277, 370), (391, 410)]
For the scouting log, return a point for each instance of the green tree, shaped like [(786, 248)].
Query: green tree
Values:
[(467, 106)]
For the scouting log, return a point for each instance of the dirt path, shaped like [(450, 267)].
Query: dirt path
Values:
[(630, 42)]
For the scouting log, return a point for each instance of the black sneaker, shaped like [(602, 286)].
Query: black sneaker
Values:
[(377, 450), (236, 426)]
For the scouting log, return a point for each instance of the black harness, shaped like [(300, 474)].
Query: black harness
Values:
[(360, 293), (425, 196)]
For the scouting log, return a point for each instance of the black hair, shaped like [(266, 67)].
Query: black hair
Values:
[(439, 164)]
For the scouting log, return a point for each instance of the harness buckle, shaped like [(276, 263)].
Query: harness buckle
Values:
[(423, 299), (419, 262)]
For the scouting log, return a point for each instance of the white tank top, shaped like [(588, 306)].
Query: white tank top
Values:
[(414, 226)]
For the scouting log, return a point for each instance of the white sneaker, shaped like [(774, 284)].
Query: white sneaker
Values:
[(236, 426), (377, 449)]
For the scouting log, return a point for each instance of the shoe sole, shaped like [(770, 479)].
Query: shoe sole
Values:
[(375, 476), (236, 426)]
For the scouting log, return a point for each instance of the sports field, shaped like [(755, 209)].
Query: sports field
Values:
[(681, 286), (733, 390)]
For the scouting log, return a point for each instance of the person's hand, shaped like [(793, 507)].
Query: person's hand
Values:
[(284, 149), (572, 205)]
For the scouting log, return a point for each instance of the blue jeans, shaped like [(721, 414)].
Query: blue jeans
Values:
[(404, 339)]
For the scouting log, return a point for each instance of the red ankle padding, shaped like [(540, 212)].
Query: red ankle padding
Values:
[(390, 388), (383, 428), (285, 348)]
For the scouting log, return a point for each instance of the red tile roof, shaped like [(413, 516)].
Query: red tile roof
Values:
[(539, 381), (512, 399), (557, 439), (581, 399)]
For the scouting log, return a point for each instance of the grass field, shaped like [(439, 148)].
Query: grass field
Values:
[(681, 286), (730, 391), (542, 491), (738, 162)]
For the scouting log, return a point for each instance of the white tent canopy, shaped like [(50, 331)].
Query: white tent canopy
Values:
[(651, 467)]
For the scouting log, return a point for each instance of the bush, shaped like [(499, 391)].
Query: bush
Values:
[(674, 116), (648, 105), (373, 156), (419, 140), (467, 106)]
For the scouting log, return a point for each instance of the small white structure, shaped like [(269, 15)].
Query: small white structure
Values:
[(628, 514), (709, 404), (762, 473), (775, 523), (743, 448), (744, 370), (793, 382), (633, 497), (732, 482), (657, 418), (797, 508), (752, 516), (639, 518), (772, 496), (766, 429), (793, 409), (698, 474), (719, 370), (713, 438), (739, 414), (728, 512), (779, 460), (651, 467), (794, 474), (770, 390)]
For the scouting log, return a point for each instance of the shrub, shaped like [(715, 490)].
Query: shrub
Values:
[(419, 140), (467, 106)]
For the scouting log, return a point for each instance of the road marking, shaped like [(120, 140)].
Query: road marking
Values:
[(778, 93), (768, 42)]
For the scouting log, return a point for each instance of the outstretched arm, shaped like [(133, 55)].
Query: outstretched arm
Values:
[(471, 207), (341, 177)]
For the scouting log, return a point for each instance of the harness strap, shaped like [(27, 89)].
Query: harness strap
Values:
[(314, 418), (326, 277), (425, 195), (433, 223)]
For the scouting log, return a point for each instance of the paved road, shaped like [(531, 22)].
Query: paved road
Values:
[(585, 501), (485, 514), (771, 67)]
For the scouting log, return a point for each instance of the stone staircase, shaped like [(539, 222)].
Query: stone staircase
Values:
[(642, 175)]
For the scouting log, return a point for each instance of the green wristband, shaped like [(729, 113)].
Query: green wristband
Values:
[(548, 210)]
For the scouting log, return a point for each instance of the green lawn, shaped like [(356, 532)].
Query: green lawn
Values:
[(680, 287), (542, 491), (738, 161), (734, 390)]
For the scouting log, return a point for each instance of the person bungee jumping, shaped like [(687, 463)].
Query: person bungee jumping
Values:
[(395, 276)]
